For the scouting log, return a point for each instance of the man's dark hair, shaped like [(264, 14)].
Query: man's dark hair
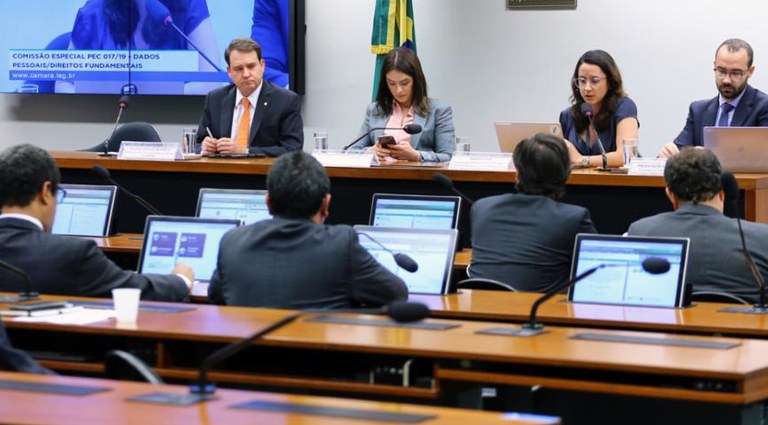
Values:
[(733, 45), (243, 45), (24, 169), (693, 175), (543, 166), (297, 184)]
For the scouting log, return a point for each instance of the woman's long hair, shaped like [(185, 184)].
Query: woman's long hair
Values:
[(404, 60), (610, 103)]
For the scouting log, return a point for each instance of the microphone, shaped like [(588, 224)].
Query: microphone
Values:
[(652, 265), (106, 175), (160, 15), (586, 110), (731, 189), (122, 104), (25, 295), (447, 183), (408, 128), (403, 261)]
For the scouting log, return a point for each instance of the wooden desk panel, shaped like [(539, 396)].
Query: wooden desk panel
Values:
[(111, 407)]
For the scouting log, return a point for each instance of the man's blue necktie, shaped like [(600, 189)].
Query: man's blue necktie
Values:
[(726, 109)]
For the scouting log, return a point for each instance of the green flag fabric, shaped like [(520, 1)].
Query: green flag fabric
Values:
[(392, 27)]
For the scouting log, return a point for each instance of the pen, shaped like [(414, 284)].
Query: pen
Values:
[(209, 132)]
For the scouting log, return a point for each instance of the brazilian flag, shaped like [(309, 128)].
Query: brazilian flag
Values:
[(392, 27)]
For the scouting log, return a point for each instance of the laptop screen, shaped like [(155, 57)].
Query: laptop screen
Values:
[(192, 240), (85, 211), (510, 134), (624, 281), (432, 249), (415, 211), (249, 206)]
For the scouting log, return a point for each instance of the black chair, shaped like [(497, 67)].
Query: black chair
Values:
[(718, 297), (124, 366), (137, 131), (481, 283)]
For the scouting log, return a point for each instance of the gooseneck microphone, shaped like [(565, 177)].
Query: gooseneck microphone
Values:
[(586, 110), (106, 175), (652, 265), (408, 128), (122, 105), (27, 294), (731, 190), (403, 261), (447, 183), (160, 15)]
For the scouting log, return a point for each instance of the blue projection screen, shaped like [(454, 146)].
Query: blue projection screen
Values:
[(143, 46)]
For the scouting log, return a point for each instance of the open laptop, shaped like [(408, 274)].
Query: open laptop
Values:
[(415, 211), (625, 282), (510, 134), (192, 240), (249, 206), (85, 211), (739, 149), (432, 249)]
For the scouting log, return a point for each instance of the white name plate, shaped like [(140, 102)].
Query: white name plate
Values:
[(341, 158), (647, 166), (483, 161), (150, 151)]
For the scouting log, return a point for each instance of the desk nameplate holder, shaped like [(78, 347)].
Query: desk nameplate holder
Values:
[(342, 158), (647, 166), (327, 318), (152, 151), (337, 412), (46, 388), (481, 161), (108, 305)]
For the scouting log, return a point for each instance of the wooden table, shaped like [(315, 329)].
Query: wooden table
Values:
[(614, 200), (444, 365), (112, 407)]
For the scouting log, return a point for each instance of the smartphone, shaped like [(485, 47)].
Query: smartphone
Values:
[(385, 141)]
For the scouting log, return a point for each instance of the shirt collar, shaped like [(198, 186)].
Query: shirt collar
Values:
[(25, 217), (253, 98)]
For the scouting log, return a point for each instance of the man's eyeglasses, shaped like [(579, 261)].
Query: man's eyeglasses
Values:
[(582, 82), (736, 74), (60, 195)]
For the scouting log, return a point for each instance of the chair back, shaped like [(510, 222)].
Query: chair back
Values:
[(718, 297), (124, 366)]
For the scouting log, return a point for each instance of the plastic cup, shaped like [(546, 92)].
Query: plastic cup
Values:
[(463, 144), (630, 150), (126, 304), (321, 140)]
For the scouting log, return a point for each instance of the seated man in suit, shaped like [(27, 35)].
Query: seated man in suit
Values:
[(294, 260), (57, 264), (14, 360), (716, 260), (251, 115), (737, 105), (525, 239)]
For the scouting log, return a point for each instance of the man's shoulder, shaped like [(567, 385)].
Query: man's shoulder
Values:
[(221, 91), (650, 224), (275, 90)]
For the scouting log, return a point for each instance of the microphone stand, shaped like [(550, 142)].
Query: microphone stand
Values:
[(27, 293), (411, 129)]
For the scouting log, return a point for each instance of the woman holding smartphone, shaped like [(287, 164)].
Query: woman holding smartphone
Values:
[(402, 99)]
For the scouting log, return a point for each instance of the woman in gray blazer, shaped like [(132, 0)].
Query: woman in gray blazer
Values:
[(402, 99)]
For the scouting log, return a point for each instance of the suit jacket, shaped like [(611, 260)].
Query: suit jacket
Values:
[(525, 240), (70, 265), (751, 112), (276, 127), (15, 360), (715, 259), (297, 264), (436, 142)]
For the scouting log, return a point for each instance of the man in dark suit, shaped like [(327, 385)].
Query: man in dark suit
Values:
[(57, 264), (737, 105), (16, 360), (716, 260), (525, 239), (294, 260), (251, 115)]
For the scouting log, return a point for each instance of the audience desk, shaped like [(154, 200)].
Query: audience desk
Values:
[(112, 406), (614, 200), (442, 366)]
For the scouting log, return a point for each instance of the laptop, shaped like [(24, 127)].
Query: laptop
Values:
[(85, 211), (739, 149), (249, 206), (415, 211), (432, 249), (625, 282), (192, 240), (510, 134)]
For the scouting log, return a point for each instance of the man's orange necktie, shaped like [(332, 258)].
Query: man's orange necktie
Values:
[(244, 128)]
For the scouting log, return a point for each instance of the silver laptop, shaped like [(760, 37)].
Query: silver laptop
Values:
[(192, 240), (510, 134), (249, 206), (432, 249), (415, 211), (739, 149), (623, 281), (85, 211)]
